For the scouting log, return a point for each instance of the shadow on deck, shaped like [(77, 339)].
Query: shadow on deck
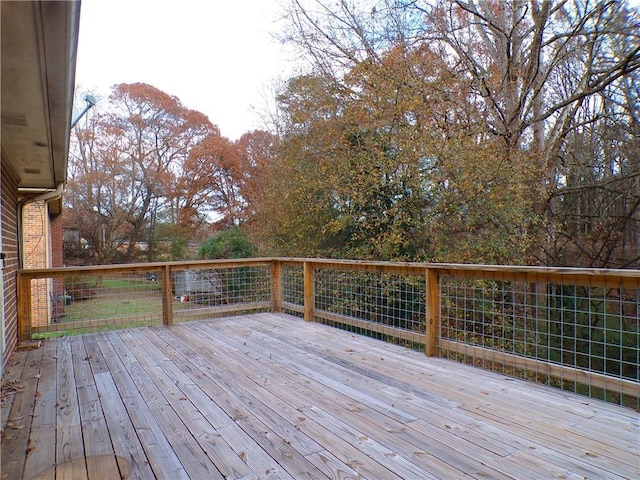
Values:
[(270, 396)]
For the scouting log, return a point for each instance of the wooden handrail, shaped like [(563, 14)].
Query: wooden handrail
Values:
[(585, 276), (145, 267)]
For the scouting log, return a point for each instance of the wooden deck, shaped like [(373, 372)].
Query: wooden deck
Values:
[(270, 396)]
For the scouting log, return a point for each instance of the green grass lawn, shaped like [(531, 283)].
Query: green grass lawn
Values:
[(121, 298), (120, 302), (139, 284), (114, 306)]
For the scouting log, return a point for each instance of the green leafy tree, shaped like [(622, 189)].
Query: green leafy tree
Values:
[(231, 243), (510, 126)]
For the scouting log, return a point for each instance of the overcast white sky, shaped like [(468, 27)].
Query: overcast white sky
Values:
[(216, 56)]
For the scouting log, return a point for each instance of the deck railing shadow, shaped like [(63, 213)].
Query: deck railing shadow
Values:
[(575, 329)]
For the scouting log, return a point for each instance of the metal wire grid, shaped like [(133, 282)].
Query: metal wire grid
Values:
[(86, 302), (206, 292), (587, 328), (583, 327), (292, 280), (89, 301), (392, 300)]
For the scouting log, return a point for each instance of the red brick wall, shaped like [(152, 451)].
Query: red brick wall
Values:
[(9, 201), (42, 242), (35, 234), (36, 241)]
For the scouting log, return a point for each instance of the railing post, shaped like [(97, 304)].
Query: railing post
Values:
[(167, 296), (432, 312), (276, 286), (309, 292), (24, 307)]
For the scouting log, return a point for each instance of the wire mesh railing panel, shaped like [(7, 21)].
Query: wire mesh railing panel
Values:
[(578, 328), (292, 280), (389, 306), (569, 328), (211, 292), (85, 302)]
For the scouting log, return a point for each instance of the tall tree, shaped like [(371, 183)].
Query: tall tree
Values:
[(157, 133), (213, 179), (539, 68), (98, 197), (127, 165), (256, 150), (514, 78)]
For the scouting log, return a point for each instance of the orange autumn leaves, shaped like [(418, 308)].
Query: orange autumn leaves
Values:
[(146, 170)]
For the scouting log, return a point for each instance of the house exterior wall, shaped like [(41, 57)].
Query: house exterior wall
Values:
[(9, 247), (36, 233), (42, 241)]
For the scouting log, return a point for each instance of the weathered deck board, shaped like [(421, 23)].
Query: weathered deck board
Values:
[(20, 420), (270, 396), (69, 434), (160, 455), (95, 433), (10, 381), (42, 437)]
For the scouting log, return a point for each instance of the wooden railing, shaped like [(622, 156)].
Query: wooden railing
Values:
[(572, 328), (153, 290)]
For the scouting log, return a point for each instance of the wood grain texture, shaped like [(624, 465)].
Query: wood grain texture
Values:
[(41, 454), (15, 437), (269, 396)]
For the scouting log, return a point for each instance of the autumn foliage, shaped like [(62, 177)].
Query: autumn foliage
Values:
[(148, 176), (454, 131), (463, 131)]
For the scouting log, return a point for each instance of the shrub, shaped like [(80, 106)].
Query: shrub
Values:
[(227, 244)]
